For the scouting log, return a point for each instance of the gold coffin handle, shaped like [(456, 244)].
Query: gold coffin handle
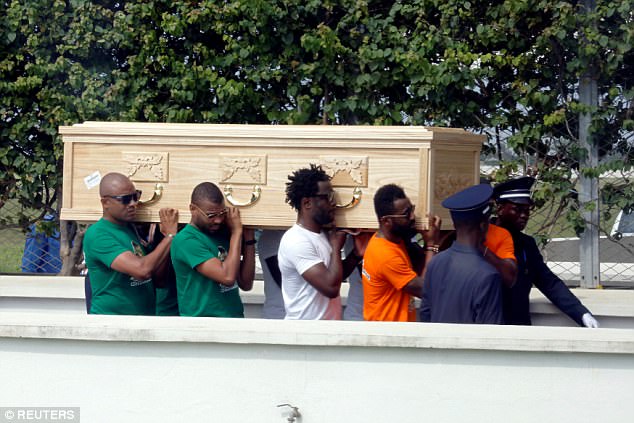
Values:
[(255, 196), (156, 196), (356, 197)]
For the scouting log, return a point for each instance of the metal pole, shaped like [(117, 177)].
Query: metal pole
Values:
[(589, 187)]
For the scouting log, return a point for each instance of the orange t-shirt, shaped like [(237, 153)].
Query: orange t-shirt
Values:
[(386, 270), (500, 242)]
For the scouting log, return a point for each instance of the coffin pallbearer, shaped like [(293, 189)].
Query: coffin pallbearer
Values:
[(390, 279), (122, 275), (309, 255), (206, 256), (460, 285), (514, 205)]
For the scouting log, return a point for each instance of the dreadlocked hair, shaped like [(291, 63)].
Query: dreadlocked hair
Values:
[(303, 184)]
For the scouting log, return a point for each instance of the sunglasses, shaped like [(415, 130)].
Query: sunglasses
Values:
[(127, 198), (406, 213), (330, 196), (213, 215)]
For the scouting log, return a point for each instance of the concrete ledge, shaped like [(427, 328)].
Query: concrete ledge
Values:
[(314, 333), (613, 308)]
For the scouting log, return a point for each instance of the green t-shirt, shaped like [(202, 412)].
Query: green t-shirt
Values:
[(114, 292), (197, 295), (167, 300)]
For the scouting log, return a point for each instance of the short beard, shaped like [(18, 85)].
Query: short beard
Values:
[(404, 232), (323, 219)]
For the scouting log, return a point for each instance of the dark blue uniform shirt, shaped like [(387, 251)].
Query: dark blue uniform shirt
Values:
[(531, 269), (461, 287)]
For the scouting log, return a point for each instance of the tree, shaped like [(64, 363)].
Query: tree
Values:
[(508, 68), (54, 70)]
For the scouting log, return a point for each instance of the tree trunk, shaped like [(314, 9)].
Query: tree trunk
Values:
[(71, 241)]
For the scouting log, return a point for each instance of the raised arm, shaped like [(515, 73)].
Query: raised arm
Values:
[(499, 251), (226, 272), (551, 285), (247, 265), (431, 238), (327, 280), (355, 256), (144, 267)]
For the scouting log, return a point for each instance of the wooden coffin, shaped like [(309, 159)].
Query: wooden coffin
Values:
[(251, 164)]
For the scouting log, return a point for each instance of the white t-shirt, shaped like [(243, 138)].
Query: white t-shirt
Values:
[(301, 249)]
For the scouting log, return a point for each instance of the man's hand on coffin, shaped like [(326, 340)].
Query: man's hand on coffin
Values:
[(432, 235), (151, 265), (233, 220), (337, 239), (168, 221), (361, 242)]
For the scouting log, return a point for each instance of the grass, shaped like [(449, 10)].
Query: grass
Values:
[(11, 250), (561, 228), (11, 240)]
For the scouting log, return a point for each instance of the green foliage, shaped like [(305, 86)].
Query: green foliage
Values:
[(508, 68)]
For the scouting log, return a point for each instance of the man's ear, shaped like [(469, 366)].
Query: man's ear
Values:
[(307, 203), (104, 202)]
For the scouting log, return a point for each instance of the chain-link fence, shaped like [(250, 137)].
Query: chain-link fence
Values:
[(616, 249), (28, 247), (35, 247), (616, 260)]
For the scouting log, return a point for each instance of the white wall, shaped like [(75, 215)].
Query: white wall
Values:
[(37, 294), (134, 369)]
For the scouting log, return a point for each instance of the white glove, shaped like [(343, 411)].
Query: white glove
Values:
[(589, 321)]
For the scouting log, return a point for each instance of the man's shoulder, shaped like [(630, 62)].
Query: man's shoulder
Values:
[(440, 259), (467, 259), (293, 236), (97, 230), (382, 249), (187, 232), (524, 238), (190, 232), (190, 235), (293, 231), (497, 235)]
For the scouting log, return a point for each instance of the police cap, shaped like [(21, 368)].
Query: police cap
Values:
[(515, 191)]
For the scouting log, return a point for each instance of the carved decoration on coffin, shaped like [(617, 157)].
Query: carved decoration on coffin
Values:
[(243, 169), (147, 167), (346, 171), (447, 184)]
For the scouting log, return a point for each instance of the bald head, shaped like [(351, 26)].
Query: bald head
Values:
[(115, 184)]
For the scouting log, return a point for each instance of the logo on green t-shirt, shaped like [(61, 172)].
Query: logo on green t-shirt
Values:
[(137, 249), (222, 253)]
